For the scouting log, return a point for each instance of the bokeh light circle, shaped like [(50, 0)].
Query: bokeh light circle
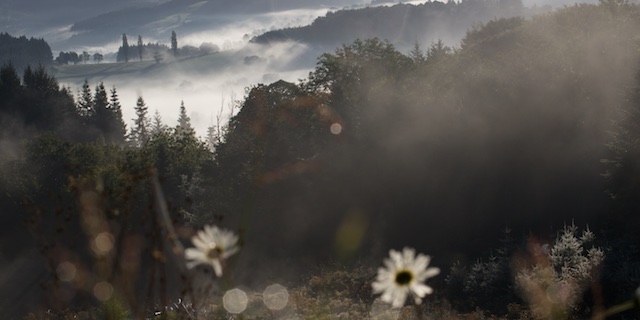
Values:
[(103, 291), (66, 271), (275, 297), (336, 128), (235, 301)]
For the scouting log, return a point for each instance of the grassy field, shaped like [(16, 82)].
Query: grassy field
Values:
[(134, 69)]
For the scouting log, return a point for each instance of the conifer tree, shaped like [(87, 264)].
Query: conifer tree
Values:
[(212, 138), (9, 83), (184, 128), (101, 116), (119, 129), (125, 47), (417, 54), (140, 132), (85, 101), (157, 127)]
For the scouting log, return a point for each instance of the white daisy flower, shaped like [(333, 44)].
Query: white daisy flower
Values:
[(404, 274), (212, 246)]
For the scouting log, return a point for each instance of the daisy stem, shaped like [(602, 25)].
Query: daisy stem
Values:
[(619, 308)]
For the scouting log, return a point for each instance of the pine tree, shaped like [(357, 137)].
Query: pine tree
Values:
[(118, 130), (101, 117), (9, 83), (437, 51), (140, 132), (212, 138), (85, 101), (184, 128), (157, 127), (417, 54)]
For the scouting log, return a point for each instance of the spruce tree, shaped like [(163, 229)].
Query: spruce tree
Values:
[(417, 54), (118, 130), (157, 127), (184, 128), (140, 132), (85, 101), (101, 116), (212, 138)]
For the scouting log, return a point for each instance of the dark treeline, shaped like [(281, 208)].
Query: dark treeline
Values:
[(158, 52), (23, 51), (530, 124), (37, 103), (402, 24)]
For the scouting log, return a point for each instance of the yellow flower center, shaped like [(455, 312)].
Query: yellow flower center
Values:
[(214, 252), (403, 277)]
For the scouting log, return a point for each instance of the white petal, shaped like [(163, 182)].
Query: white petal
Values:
[(379, 287), (229, 252), (399, 297), (421, 263), (421, 290), (408, 254), (201, 244), (429, 273), (217, 267), (193, 254)]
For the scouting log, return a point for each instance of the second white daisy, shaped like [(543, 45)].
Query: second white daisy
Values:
[(404, 275), (212, 246)]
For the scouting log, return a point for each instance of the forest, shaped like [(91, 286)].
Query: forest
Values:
[(23, 52), (511, 159)]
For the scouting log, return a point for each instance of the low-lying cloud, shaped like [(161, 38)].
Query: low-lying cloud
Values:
[(206, 84)]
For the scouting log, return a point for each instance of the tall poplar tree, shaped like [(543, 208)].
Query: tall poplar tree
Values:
[(140, 47), (125, 47), (174, 43)]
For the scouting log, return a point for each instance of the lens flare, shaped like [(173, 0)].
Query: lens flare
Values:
[(336, 128), (66, 271), (275, 297), (103, 291), (235, 301), (102, 243)]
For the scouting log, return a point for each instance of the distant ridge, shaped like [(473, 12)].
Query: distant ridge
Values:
[(401, 24)]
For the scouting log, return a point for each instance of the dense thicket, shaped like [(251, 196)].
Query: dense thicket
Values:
[(439, 149), (509, 129), (23, 51)]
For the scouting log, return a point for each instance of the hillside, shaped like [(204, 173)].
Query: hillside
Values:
[(194, 17), (402, 24), (146, 70)]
